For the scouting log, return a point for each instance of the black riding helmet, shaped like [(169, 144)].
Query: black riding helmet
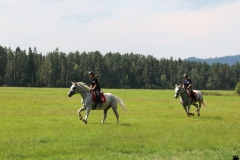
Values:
[(90, 73), (185, 75)]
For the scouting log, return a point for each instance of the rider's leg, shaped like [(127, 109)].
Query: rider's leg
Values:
[(99, 100), (188, 92), (193, 95)]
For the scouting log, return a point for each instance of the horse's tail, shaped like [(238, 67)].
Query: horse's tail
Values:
[(203, 103), (121, 103), (201, 99)]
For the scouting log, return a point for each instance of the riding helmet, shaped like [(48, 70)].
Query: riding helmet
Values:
[(185, 75), (90, 73)]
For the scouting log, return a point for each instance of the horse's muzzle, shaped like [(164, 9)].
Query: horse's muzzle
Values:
[(70, 94), (176, 96)]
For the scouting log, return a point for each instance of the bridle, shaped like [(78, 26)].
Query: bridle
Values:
[(178, 92)]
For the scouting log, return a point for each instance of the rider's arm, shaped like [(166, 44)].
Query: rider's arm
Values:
[(96, 84), (189, 86), (94, 87), (90, 86)]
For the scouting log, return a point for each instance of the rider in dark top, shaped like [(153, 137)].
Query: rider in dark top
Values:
[(94, 86), (187, 85)]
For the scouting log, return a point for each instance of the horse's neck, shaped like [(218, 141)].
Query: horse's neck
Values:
[(83, 92), (184, 95)]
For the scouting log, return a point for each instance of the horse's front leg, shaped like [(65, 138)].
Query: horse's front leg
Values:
[(188, 111), (88, 109), (80, 110)]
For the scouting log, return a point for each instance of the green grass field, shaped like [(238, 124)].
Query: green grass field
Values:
[(42, 123)]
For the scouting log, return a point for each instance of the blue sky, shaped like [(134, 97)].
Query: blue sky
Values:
[(177, 28)]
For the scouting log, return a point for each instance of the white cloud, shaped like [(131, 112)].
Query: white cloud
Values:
[(177, 28)]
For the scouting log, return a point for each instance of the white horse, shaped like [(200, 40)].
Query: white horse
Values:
[(88, 104), (186, 101)]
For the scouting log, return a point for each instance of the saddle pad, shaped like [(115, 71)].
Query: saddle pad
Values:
[(94, 99)]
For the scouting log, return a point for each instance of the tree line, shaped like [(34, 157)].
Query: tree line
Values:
[(114, 70)]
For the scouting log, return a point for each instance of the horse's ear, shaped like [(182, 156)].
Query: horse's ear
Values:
[(73, 82)]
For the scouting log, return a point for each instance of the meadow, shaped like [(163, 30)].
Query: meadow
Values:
[(42, 123)]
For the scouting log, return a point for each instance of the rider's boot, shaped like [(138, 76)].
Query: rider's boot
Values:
[(100, 102)]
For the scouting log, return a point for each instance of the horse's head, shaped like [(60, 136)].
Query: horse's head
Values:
[(73, 89), (177, 90)]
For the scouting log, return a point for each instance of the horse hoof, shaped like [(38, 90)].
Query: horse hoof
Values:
[(198, 114), (84, 121)]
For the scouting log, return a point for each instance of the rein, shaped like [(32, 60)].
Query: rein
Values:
[(84, 92), (180, 91)]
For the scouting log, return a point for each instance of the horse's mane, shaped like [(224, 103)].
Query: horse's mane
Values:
[(83, 85)]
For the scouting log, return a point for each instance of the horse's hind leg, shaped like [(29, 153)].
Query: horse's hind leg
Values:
[(197, 109), (116, 113), (200, 105), (105, 114)]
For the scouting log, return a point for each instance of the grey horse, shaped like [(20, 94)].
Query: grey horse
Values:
[(186, 101), (88, 104)]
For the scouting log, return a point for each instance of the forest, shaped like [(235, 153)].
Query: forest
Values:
[(114, 70)]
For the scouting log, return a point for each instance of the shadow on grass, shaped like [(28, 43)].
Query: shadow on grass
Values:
[(125, 124), (216, 117), (109, 123)]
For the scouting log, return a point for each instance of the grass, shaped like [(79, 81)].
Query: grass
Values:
[(42, 123), (219, 93)]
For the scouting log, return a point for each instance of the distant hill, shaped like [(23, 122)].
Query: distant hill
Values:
[(230, 60)]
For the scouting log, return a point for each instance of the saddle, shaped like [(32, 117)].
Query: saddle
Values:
[(94, 97), (190, 96)]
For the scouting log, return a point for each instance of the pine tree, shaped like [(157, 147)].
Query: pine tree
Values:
[(3, 64), (31, 71), (54, 73), (10, 68), (70, 65), (63, 82), (38, 63)]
